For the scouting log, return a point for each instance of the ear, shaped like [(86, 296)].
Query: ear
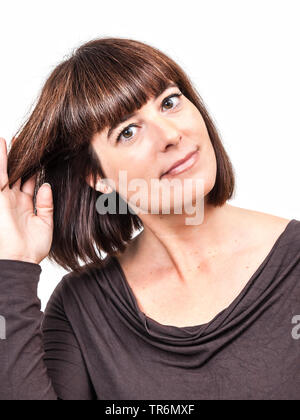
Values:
[(99, 186)]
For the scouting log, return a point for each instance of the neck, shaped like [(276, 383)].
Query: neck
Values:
[(171, 245)]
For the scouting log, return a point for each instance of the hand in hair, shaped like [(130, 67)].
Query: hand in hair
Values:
[(24, 235)]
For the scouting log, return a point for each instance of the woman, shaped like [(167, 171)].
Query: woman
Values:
[(180, 311)]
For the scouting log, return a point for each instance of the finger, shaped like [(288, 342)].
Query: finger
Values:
[(29, 185), (17, 184), (44, 204), (3, 163)]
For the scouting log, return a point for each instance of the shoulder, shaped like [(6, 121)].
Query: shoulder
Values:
[(273, 226), (260, 224), (77, 285), (80, 298), (259, 230), (270, 229)]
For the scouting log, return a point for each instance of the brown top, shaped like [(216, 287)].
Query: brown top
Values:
[(95, 343)]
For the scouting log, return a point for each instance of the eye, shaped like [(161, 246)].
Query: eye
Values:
[(168, 99), (127, 129), (124, 133)]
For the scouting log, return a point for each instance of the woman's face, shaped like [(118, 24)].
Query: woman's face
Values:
[(166, 129)]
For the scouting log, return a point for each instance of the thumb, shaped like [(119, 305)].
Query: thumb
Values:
[(44, 204)]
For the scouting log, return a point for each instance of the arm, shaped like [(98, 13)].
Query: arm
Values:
[(39, 356)]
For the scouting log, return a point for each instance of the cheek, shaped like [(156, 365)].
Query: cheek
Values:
[(203, 139), (202, 130), (113, 162), (211, 158), (134, 167), (139, 161), (128, 172), (208, 165), (193, 118)]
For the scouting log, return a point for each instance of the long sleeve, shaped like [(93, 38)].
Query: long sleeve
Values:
[(39, 355)]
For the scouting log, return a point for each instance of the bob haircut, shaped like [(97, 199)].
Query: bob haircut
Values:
[(99, 83)]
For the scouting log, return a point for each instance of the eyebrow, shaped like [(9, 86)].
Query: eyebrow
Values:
[(128, 116)]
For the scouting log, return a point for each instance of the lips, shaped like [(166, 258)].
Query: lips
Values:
[(180, 162)]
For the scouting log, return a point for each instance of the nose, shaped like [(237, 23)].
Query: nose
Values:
[(167, 132)]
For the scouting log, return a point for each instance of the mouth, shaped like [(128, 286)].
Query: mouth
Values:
[(183, 165)]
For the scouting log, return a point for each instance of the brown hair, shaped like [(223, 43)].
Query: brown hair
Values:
[(102, 81)]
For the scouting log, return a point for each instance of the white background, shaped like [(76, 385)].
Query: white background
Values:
[(242, 56)]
